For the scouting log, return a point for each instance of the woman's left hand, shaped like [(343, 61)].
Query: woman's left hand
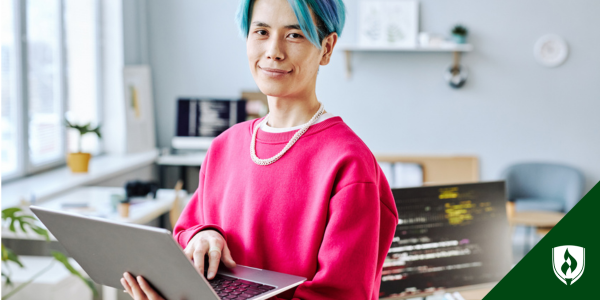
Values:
[(139, 289)]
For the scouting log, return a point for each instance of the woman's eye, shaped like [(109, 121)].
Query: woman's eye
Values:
[(261, 32), (295, 35)]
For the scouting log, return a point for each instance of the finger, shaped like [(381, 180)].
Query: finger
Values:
[(226, 257), (126, 286), (135, 288), (199, 256), (150, 292), (189, 252), (214, 256)]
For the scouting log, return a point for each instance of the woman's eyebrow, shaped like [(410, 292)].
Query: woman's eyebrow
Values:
[(263, 24), (260, 24), (295, 26)]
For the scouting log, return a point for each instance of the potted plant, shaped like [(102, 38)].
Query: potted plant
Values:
[(13, 217), (459, 34), (79, 161)]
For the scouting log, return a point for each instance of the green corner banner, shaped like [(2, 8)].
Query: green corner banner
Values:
[(565, 264)]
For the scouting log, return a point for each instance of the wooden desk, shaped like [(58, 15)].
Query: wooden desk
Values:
[(541, 221), (536, 219), (475, 292)]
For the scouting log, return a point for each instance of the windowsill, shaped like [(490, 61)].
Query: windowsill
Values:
[(51, 183)]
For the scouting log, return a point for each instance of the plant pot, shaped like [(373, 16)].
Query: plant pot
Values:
[(459, 39), (78, 162)]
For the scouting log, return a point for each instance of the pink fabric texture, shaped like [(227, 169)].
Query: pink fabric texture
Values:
[(323, 211)]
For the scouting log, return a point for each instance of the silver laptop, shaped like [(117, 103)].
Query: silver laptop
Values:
[(106, 249)]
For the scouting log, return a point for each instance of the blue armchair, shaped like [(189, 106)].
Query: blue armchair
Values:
[(543, 186)]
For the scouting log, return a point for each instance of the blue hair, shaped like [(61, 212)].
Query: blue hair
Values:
[(331, 16)]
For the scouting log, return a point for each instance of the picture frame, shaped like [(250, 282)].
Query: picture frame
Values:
[(388, 23), (139, 109)]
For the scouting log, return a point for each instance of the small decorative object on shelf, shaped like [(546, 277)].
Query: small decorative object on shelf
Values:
[(123, 207), (459, 34), (456, 75), (78, 162)]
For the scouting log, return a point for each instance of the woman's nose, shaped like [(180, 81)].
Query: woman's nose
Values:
[(274, 51)]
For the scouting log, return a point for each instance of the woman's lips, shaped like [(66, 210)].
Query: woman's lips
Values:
[(275, 73)]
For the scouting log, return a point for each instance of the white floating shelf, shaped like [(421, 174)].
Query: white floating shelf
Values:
[(348, 49), (444, 48)]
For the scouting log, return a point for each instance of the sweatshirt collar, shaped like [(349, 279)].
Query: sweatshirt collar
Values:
[(285, 137)]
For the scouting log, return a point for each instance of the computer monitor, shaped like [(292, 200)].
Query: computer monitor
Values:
[(448, 237), (207, 117)]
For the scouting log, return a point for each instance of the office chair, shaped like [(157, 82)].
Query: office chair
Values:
[(543, 186)]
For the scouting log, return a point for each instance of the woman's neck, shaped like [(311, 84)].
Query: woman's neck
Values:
[(290, 112)]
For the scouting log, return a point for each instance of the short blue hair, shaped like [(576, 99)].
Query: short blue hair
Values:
[(331, 16)]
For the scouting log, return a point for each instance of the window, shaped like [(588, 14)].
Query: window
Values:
[(10, 104), (52, 72)]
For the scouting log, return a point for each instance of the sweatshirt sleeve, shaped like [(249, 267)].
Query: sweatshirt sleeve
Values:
[(191, 220), (357, 238)]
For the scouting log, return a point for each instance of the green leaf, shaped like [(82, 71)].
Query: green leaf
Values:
[(22, 225), (7, 277), (8, 255), (65, 261), (11, 227), (9, 212), (41, 231), (4, 254)]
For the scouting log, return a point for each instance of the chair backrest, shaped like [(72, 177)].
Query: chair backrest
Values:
[(544, 180)]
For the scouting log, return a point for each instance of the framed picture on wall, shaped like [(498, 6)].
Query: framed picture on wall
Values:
[(388, 23), (139, 109)]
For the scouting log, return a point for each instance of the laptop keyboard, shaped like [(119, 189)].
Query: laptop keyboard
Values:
[(233, 288)]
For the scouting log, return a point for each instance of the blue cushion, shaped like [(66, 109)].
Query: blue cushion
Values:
[(539, 204)]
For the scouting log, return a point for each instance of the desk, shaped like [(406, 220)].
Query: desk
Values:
[(477, 294), (474, 292), (184, 160), (542, 221), (538, 219), (99, 204)]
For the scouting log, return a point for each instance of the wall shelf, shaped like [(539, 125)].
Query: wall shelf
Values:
[(348, 49)]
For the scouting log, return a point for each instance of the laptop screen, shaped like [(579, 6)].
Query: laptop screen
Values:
[(447, 237)]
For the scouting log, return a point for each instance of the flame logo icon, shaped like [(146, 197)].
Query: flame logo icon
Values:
[(570, 260), (570, 263)]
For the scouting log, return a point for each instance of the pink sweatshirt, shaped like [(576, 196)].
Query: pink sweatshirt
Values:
[(323, 211)]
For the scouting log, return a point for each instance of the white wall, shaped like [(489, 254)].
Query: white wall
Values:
[(510, 110)]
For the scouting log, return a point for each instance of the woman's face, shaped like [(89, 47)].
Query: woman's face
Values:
[(283, 62)]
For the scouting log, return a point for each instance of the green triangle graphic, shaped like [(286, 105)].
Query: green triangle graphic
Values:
[(534, 277)]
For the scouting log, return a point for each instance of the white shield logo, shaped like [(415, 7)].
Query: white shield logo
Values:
[(568, 263)]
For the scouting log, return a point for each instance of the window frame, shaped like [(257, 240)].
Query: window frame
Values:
[(24, 165)]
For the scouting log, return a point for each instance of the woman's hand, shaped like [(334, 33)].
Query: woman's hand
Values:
[(211, 243), (139, 289)]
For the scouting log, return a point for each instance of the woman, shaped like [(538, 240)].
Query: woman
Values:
[(297, 191)]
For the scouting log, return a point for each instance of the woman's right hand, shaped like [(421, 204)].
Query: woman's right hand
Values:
[(209, 242)]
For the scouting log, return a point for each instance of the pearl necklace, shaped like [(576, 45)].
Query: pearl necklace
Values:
[(299, 133)]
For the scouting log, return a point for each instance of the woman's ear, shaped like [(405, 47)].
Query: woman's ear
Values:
[(327, 47)]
